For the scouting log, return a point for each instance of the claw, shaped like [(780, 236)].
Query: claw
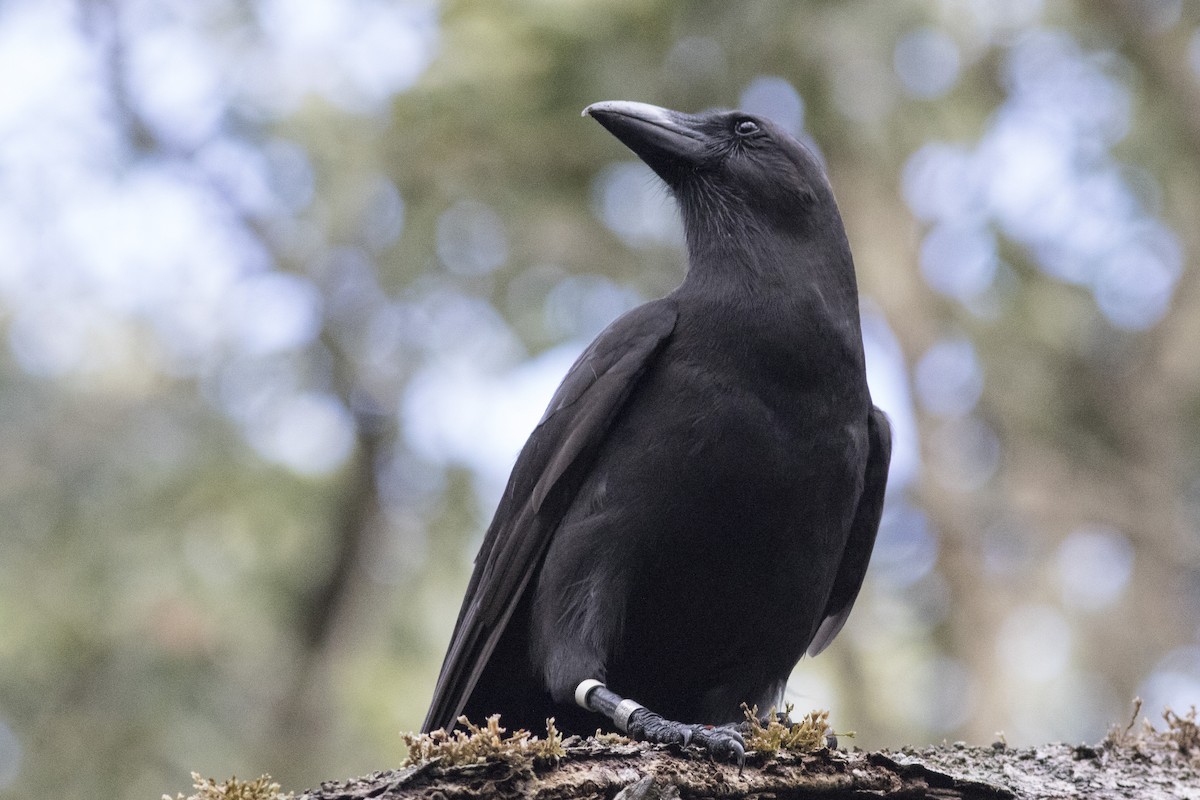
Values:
[(687, 735), (730, 746), (730, 731), (721, 742)]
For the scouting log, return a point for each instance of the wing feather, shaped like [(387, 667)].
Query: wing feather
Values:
[(853, 567), (543, 484)]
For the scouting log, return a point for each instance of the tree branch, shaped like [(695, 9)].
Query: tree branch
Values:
[(1147, 769)]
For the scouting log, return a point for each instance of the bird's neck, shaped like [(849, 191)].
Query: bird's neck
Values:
[(809, 277)]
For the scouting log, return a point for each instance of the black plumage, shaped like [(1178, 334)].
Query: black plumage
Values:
[(698, 505)]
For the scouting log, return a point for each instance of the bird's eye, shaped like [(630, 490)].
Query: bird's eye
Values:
[(745, 127)]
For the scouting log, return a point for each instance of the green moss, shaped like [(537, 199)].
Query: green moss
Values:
[(605, 737), (1182, 733), (483, 743), (262, 788), (808, 734)]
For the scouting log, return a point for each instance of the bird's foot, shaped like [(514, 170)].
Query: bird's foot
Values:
[(722, 742), (719, 741)]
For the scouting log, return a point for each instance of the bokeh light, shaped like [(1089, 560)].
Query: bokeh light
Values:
[(633, 203), (959, 261), (776, 99), (1043, 175), (1174, 682), (457, 414), (1034, 643), (906, 547), (927, 62), (579, 307), (949, 377), (471, 239), (311, 433), (964, 453), (10, 755), (1095, 565)]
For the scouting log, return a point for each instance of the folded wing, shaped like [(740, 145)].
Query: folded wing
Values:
[(548, 473), (862, 534)]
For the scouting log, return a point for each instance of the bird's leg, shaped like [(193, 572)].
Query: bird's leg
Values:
[(641, 723)]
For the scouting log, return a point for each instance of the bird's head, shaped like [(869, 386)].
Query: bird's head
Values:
[(724, 166)]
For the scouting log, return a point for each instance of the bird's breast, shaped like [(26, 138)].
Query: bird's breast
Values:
[(727, 482), (741, 447)]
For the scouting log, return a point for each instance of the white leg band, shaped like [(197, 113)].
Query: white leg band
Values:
[(624, 711), (583, 690)]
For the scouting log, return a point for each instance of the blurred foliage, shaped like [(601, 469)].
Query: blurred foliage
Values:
[(284, 288)]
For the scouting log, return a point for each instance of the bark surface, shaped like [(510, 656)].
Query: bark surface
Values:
[(1150, 769)]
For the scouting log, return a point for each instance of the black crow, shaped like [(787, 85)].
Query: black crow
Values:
[(698, 504)]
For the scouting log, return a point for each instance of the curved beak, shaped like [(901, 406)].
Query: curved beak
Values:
[(668, 141)]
